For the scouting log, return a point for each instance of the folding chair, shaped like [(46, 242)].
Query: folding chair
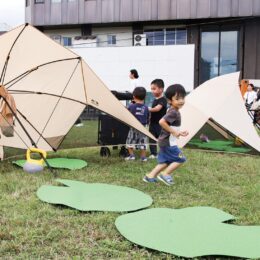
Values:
[(255, 116)]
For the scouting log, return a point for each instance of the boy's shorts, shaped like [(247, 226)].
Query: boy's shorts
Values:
[(170, 154), (136, 140)]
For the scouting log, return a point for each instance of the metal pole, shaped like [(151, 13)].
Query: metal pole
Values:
[(26, 132)]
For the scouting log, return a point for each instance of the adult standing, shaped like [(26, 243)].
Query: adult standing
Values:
[(250, 96), (256, 109), (134, 81)]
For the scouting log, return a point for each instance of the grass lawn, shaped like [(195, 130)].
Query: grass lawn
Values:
[(33, 229)]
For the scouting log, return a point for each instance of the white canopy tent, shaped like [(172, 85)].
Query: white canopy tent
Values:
[(51, 86), (221, 100)]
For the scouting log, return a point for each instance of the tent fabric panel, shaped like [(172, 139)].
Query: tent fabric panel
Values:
[(6, 41), (36, 108), (100, 97), (219, 129), (192, 121), (63, 118), (61, 79), (58, 113), (31, 42), (219, 99), (55, 141), (56, 123), (51, 114), (76, 87), (209, 96), (20, 139), (51, 78), (233, 116)]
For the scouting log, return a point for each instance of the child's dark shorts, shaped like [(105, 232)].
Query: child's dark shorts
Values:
[(170, 154)]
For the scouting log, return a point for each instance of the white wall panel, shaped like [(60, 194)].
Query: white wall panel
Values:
[(174, 64)]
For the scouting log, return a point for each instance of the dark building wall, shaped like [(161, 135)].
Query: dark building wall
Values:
[(248, 45), (194, 38), (252, 49), (120, 11)]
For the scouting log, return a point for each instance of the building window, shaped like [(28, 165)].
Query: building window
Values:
[(56, 38), (66, 41), (170, 36), (219, 53), (55, 1), (39, 1), (181, 36), (111, 39)]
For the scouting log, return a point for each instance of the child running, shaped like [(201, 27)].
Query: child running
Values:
[(170, 156)]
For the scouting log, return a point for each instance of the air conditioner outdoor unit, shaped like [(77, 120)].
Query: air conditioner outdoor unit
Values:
[(140, 40), (85, 41)]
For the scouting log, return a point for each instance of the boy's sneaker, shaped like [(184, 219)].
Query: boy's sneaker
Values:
[(149, 180), (79, 124), (166, 179), (143, 159), (152, 156), (130, 158)]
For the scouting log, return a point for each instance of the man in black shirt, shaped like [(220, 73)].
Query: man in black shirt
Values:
[(158, 110)]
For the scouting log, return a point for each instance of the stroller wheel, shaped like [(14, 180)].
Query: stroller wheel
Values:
[(123, 152), (104, 152)]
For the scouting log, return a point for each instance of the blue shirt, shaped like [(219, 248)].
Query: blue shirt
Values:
[(141, 112)]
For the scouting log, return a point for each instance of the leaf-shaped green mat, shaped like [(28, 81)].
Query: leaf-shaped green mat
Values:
[(94, 196), (190, 232), (219, 145), (63, 163)]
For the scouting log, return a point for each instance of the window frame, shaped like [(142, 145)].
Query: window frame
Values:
[(164, 31), (219, 29), (68, 39), (111, 43)]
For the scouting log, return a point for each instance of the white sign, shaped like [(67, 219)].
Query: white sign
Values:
[(172, 63), (255, 82)]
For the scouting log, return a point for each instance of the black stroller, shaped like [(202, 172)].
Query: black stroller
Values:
[(255, 115), (111, 131)]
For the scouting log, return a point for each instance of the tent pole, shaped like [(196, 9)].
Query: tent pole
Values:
[(32, 142), (1, 153)]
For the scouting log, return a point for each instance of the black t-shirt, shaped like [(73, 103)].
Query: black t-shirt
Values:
[(156, 116)]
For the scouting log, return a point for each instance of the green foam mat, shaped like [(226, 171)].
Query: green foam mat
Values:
[(62, 163), (190, 232), (219, 145), (94, 197)]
